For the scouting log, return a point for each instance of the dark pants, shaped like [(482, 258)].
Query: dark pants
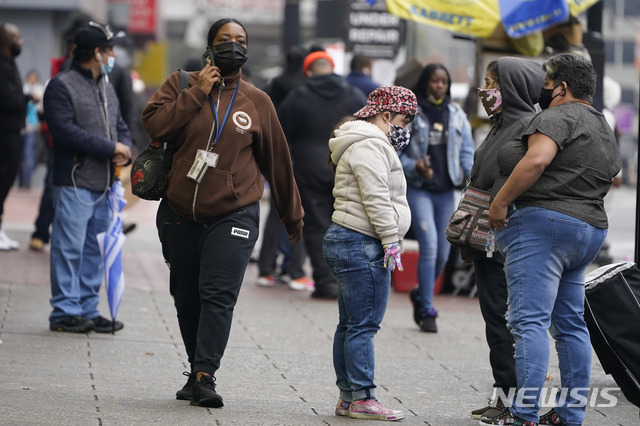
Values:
[(318, 208), (208, 262), (492, 294), (11, 143), (271, 241), (45, 213)]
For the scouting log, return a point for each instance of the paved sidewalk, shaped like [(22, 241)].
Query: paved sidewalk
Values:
[(277, 369)]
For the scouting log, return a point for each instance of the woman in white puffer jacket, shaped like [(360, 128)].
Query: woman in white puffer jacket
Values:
[(362, 245)]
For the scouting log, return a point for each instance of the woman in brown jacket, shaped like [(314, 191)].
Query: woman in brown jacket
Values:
[(227, 136)]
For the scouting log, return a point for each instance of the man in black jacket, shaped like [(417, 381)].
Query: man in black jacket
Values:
[(13, 110), (308, 116)]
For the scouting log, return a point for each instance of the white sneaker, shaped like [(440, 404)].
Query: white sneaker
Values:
[(266, 281), (302, 283), (7, 243)]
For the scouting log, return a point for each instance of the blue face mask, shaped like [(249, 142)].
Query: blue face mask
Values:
[(106, 69)]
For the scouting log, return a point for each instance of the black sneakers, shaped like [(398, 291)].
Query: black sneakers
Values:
[(103, 325), (75, 324), (489, 411), (414, 295), (187, 390), (506, 418), (78, 324), (204, 392), (551, 418), (428, 320)]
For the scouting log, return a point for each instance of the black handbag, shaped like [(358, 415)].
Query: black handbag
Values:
[(150, 170)]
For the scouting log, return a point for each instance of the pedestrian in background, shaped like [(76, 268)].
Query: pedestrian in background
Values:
[(274, 236), (509, 94), (308, 115), (33, 89), (90, 139), (436, 162), (360, 74), (42, 233), (362, 246), (549, 215), (227, 136), (13, 109)]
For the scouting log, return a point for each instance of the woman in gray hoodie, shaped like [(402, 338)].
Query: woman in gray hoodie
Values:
[(510, 92)]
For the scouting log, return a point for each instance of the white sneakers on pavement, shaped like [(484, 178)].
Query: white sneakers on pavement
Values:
[(7, 243)]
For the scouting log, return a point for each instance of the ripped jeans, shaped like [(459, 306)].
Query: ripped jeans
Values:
[(546, 257)]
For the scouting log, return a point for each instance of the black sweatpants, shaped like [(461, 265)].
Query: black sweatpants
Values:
[(492, 294), (11, 143), (207, 262)]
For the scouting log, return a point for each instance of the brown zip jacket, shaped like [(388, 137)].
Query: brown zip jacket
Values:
[(251, 145)]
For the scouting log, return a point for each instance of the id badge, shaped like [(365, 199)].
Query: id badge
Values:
[(211, 159), (199, 166)]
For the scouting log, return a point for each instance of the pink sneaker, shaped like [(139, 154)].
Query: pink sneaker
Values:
[(342, 407), (370, 409), (302, 283)]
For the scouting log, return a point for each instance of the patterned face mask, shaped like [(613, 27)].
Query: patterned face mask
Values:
[(398, 136), (491, 99)]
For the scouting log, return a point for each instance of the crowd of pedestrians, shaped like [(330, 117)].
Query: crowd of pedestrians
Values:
[(351, 166)]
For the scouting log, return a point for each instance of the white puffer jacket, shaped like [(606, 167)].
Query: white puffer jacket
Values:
[(370, 189)]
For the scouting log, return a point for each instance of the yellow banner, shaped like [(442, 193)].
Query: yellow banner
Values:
[(578, 6), (473, 17)]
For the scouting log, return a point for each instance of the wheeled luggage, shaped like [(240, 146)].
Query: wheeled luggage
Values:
[(612, 314)]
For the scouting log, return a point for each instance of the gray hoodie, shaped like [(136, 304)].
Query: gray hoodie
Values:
[(520, 83), (370, 189)]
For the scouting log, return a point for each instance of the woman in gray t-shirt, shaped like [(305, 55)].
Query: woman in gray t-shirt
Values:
[(550, 221)]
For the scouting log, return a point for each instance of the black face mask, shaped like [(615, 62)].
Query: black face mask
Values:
[(546, 97), (15, 49), (229, 57)]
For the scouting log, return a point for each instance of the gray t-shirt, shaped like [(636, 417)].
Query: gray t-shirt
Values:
[(579, 176)]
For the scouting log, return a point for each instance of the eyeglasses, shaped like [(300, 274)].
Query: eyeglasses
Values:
[(106, 30)]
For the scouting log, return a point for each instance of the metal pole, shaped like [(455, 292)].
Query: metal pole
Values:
[(636, 257), (291, 34)]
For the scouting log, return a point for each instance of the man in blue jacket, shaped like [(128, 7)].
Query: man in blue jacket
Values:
[(90, 138), (360, 75)]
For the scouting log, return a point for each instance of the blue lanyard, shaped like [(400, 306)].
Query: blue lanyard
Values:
[(215, 113)]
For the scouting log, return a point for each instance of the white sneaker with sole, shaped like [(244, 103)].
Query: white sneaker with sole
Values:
[(7, 243)]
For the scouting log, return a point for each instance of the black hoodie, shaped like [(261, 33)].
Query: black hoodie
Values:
[(308, 115), (520, 83)]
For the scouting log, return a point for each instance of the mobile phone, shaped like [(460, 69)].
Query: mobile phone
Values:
[(207, 56)]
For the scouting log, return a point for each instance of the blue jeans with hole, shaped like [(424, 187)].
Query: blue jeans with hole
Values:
[(430, 213), (357, 260), (546, 257), (76, 263)]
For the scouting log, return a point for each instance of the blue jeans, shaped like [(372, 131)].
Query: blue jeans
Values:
[(76, 263), (546, 256), (28, 160), (430, 213), (357, 261)]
